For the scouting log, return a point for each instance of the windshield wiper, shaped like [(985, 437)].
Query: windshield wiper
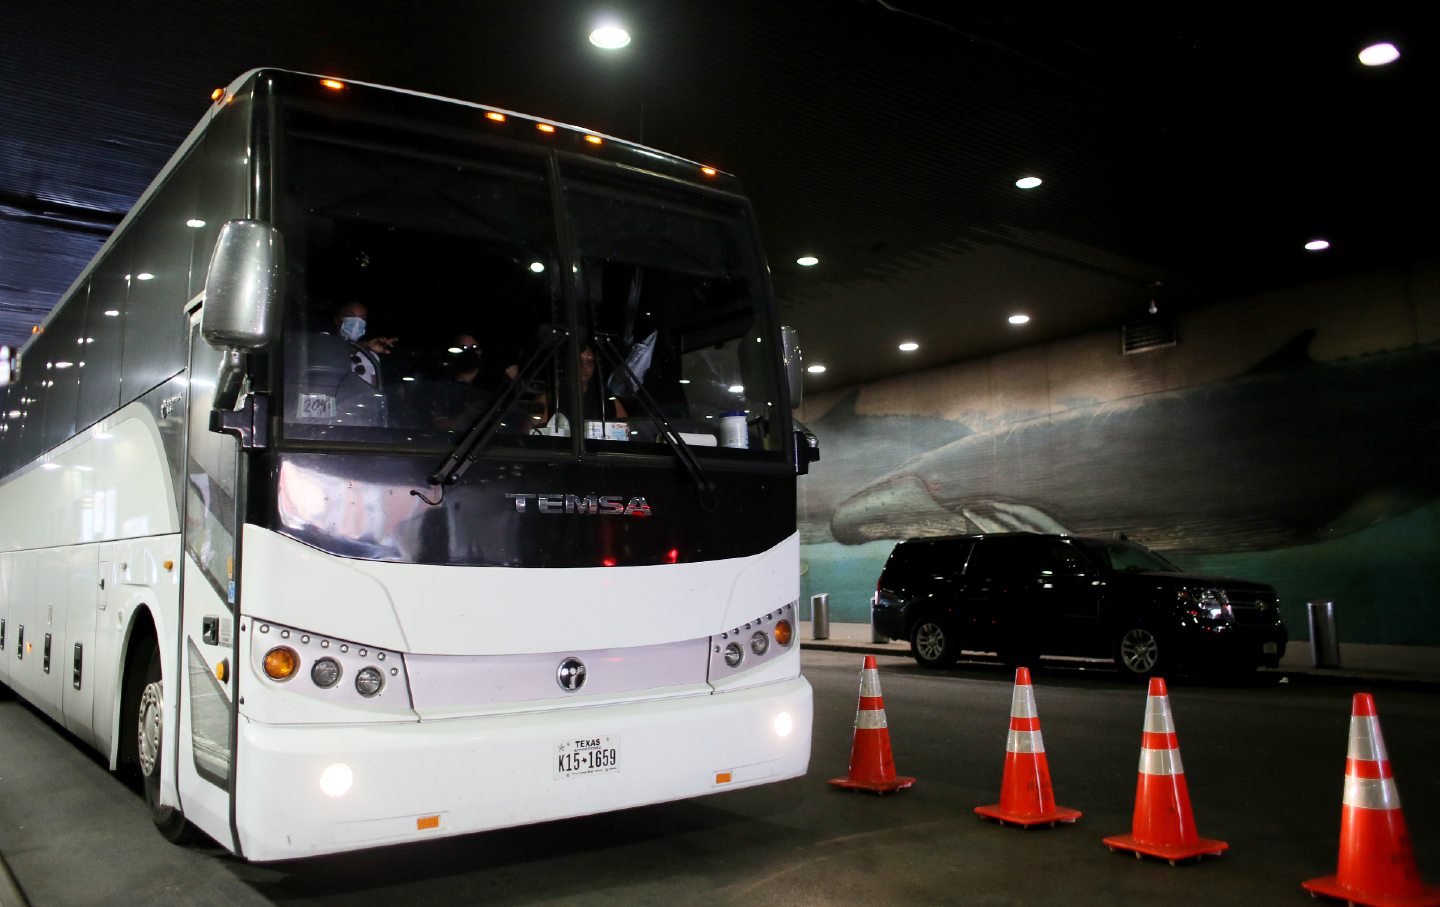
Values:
[(468, 449), (671, 436)]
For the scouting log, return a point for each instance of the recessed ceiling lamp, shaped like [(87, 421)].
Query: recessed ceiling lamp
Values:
[(1028, 182), (610, 37), (816, 369), (1019, 319), (1318, 245), (909, 346), (807, 261), (1379, 54)]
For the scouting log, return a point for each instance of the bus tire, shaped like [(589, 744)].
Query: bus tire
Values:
[(148, 722)]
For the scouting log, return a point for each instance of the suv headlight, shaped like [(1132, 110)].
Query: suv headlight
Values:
[(1210, 606)]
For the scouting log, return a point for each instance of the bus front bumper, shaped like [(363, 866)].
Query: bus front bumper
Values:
[(436, 778)]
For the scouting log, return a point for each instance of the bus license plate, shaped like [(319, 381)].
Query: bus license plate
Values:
[(587, 756)]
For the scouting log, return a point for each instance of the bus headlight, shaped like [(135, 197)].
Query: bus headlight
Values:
[(281, 662), (734, 655), (369, 681), (759, 642), (325, 672)]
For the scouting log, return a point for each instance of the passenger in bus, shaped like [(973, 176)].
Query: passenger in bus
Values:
[(350, 323)]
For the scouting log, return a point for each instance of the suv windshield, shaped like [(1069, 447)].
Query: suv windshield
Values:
[(425, 273), (1126, 557)]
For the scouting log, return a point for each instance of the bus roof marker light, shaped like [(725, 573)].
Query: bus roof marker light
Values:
[(545, 128), (609, 36), (217, 94), (1379, 54), (1028, 182), (594, 139), (709, 171), (495, 115), (333, 84)]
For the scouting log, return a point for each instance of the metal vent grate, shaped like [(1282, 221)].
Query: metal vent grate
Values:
[(1144, 334)]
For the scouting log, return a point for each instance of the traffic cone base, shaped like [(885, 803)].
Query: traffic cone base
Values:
[(1026, 797), (1056, 815), (1199, 847), (899, 782), (1330, 887), (872, 767)]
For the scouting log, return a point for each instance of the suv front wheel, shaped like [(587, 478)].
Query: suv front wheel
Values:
[(933, 645), (1138, 652)]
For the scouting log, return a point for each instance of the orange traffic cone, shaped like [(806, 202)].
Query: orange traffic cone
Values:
[(1026, 797), (872, 767), (1377, 866), (1163, 825)]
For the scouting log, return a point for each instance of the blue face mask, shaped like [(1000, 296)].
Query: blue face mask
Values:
[(352, 328)]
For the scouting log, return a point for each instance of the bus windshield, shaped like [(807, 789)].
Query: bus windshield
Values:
[(426, 282)]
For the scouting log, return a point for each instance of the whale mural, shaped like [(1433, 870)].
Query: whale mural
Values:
[(1292, 451)]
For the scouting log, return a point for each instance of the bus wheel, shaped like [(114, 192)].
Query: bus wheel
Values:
[(149, 719)]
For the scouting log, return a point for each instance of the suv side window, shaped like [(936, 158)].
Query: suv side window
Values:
[(1053, 557), (998, 557)]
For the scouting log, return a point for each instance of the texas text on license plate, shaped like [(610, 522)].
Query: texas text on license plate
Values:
[(587, 756)]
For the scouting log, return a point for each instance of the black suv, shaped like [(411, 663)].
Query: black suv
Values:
[(1023, 595)]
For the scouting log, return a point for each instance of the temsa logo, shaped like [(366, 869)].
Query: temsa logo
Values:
[(591, 504)]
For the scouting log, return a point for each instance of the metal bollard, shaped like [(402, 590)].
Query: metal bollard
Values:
[(820, 616), (1324, 640)]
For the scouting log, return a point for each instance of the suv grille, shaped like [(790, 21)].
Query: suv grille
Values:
[(1253, 609)]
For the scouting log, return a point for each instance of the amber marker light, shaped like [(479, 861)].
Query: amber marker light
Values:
[(333, 84), (594, 139), (545, 127), (709, 171), (217, 94), (784, 633), (281, 663), (492, 115)]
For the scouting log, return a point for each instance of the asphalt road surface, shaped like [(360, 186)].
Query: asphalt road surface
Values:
[(1264, 764)]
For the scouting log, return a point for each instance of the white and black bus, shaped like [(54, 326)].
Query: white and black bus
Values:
[(403, 467)]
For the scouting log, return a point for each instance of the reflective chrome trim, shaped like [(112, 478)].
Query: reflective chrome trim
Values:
[(1371, 793), (1025, 742), (1160, 762), (870, 720)]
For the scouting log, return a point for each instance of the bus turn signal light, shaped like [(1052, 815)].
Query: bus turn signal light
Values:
[(783, 633), (281, 663)]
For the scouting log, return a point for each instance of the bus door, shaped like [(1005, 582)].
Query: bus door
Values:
[(205, 747), (76, 662)]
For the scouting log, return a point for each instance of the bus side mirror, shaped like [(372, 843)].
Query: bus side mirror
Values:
[(244, 286), (794, 364), (243, 290)]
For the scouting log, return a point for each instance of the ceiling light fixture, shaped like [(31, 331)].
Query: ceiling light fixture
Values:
[(1317, 245), (1379, 54), (816, 369), (807, 261), (1028, 182), (909, 346), (610, 37), (1019, 319)]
